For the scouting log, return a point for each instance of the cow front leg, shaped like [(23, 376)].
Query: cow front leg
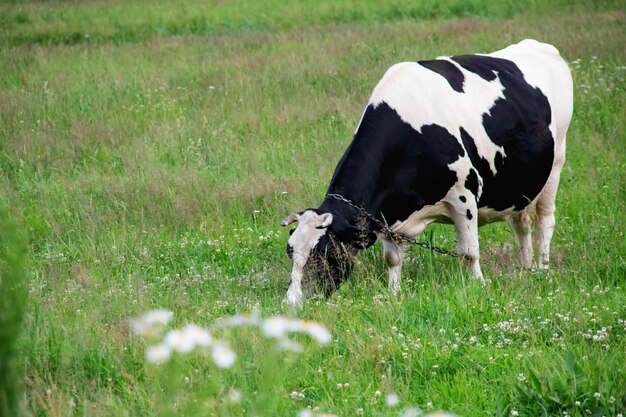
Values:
[(466, 225), (394, 255), (521, 225)]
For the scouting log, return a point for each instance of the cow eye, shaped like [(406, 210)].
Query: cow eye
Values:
[(291, 231)]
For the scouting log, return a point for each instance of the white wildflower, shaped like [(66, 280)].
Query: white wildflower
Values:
[(159, 353), (275, 326), (279, 326), (160, 316), (200, 336), (239, 320), (288, 344), (223, 356), (149, 323), (179, 341), (306, 412), (234, 396), (392, 400), (317, 331), (411, 412)]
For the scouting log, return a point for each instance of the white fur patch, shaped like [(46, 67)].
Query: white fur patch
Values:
[(305, 237), (420, 97)]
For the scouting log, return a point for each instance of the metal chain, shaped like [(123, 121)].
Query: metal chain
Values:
[(393, 236)]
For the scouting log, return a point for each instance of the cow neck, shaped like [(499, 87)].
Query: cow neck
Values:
[(363, 173), (349, 225)]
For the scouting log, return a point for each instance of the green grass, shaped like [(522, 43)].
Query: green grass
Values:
[(151, 162), (13, 296)]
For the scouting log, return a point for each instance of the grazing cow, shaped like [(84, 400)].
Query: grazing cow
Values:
[(467, 140)]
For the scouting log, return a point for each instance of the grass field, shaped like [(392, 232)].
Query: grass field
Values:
[(149, 150)]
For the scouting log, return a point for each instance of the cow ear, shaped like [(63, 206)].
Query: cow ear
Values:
[(290, 219), (324, 220)]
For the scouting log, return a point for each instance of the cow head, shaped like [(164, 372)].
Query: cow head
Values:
[(320, 260)]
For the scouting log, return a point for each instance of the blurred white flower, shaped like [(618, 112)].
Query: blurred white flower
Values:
[(411, 412), (234, 396), (179, 341), (159, 353), (392, 399), (288, 344), (317, 331), (198, 335), (239, 320), (160, 316), (223, 356), (150, 323), (279, 326), (193, 336), (275, 326)]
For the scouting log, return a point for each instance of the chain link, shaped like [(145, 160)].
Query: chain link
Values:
[(391, 235)]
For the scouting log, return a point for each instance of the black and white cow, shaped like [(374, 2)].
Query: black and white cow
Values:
[(467, 140)]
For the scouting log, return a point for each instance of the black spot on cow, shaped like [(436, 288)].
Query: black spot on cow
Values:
[(393, 169), (468, 213), (519, 123), (474, 63), (447, 70), (471, 182), (462, 198)]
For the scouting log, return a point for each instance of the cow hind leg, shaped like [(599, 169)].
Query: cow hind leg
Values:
[(544, 227), (521, 224), (394, 255), (465, 218)]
